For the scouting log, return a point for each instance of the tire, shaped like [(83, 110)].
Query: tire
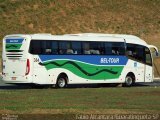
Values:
[(129, 81), (61, 82)]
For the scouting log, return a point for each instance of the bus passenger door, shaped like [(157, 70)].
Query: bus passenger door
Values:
[(148, 66)]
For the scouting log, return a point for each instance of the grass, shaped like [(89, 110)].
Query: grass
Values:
[(81, 100)]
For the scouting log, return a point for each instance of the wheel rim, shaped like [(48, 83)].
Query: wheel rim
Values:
[(61, 82), (129, 81)]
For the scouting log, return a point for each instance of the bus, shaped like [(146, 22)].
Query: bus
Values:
[(85, 58)]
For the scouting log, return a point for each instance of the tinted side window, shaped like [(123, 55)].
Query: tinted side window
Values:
[(46, 47), (140, 53), (63, 45), (43, 47), (54, 47), (35, 47), (76, 47), (86, 47), (96, 48), (108, 48), (148, 59), (136, 52), (68, 47), (130, 50), (114, 48)]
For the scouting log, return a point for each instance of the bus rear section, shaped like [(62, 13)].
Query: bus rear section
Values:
[(15, 60)]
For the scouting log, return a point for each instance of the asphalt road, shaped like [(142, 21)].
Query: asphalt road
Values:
[(156, 83)]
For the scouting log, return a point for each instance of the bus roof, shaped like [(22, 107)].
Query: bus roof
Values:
[(85, 36), (128, 38)]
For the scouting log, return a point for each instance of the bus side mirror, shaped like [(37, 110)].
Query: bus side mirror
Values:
[(157, 54), (155, 48)]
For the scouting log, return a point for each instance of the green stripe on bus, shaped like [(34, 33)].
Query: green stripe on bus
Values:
[(13, 46), (86, 71)]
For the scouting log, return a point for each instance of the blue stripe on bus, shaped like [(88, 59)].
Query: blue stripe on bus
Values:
[(14, 40), (91, 59)]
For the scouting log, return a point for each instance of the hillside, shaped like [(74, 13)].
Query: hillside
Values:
[(137, 17)]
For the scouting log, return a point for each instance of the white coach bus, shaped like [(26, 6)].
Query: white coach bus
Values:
[(87, 58)]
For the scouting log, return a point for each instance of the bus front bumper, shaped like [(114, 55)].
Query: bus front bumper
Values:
[(16, 79)]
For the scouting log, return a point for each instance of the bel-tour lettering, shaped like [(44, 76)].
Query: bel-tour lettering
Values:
[(14, 41), (109, 60)]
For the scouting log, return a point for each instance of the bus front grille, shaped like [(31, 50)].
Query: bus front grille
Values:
[(14, 55)]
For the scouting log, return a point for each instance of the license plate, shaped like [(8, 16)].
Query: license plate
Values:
[(13, 78)]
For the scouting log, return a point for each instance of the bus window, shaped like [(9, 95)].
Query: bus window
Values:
[(148, 59), (118, 47), (114, 48), (108, 48), (97, 48), (43, 47), (136, 52), (46, 47), (139, 50), (35, 47), (130, 50), (54, 47), (63, 47), (76, 47), (86, 48)]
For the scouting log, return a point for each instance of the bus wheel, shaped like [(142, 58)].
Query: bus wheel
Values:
[(129, 80), (61, 82)]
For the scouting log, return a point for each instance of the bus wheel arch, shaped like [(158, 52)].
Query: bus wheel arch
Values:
[(62, 80), (129, 79)]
